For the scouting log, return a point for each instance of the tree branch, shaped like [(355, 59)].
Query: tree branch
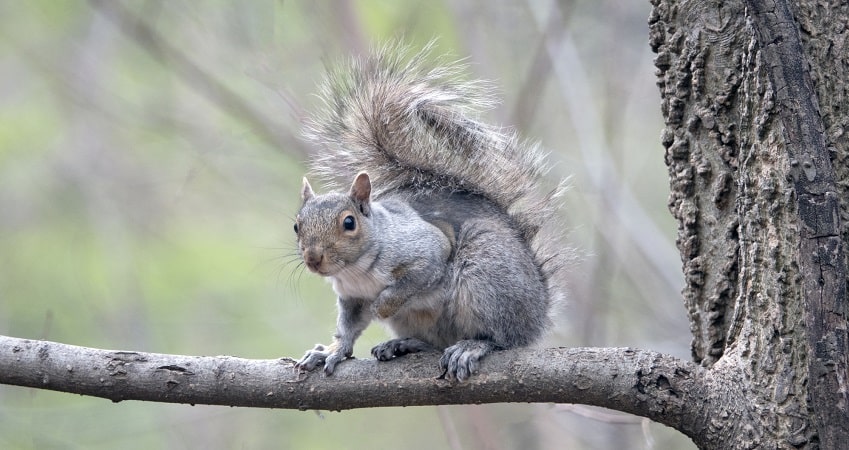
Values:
[(641, 382)]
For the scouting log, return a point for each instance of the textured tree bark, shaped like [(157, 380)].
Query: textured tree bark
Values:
[(757, 156), (822, 258)]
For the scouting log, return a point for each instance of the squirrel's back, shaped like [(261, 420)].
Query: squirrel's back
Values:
[(414, 129)]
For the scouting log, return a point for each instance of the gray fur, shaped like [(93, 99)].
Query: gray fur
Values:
[(451, 248)]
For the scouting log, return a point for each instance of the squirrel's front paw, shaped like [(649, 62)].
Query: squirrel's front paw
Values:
[(460, 360), (328, 355), (398, 347)]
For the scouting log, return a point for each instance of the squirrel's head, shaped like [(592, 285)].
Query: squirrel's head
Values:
[(332, 228)]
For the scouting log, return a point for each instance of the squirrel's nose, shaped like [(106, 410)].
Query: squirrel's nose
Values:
[(313, 259)]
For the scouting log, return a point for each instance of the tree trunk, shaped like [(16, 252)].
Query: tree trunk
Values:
[(754, 97)]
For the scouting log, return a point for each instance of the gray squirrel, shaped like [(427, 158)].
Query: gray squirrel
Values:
[(444, 235)]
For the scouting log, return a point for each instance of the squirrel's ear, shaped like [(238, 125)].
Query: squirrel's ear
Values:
[(306, 191), (361, 191)]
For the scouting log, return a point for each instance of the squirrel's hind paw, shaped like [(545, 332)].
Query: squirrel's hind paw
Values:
[(460, 360)]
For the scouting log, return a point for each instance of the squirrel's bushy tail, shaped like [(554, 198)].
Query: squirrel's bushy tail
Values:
[(414, 127)]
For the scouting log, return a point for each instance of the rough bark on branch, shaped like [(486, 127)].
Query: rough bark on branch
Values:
[(660, 387)]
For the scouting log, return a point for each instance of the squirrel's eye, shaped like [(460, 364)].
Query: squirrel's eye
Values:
[(349, 223), (296, 228)]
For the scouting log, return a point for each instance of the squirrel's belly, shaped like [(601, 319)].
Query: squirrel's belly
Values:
[(422, 318)]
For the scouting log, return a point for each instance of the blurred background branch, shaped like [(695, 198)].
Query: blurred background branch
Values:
[(196, 77)]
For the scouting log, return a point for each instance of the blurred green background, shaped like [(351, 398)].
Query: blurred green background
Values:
[(150, 160)]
